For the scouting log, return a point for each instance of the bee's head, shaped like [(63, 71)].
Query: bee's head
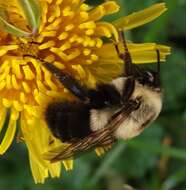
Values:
[(145, 77), (150, 78)]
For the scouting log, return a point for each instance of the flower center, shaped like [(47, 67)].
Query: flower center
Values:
[(28, 48)]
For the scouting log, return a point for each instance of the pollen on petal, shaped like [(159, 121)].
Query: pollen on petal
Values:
[(2, 84), (29, 75), (80, 70), (7, 103), (17, 105), (94, 57), (5, 49), (54, 94), (89, 32), (74, 54), (69, 27), (54, 25), (103, 31), (87, 25), (26, 87), (8, 82), (68, 12), (63, 36), (86, 51), (49, 34), (47, 45), (23, 97), (84, 16), (15, 82), (41, 98), (65, 46), (4, 65), (60, 53), (99, 43), (16, 69), (84, 7), (49, 82), (59, 65)]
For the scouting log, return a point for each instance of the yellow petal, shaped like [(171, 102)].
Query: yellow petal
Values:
[(68, 164), (106, 8), (147, 57), (110, 28), (100, 151), (32, 142), (55, 169), (39, 173), (37, 140), (141, 53), (2, 117), (8, 137), (141, 17), (111, 7)]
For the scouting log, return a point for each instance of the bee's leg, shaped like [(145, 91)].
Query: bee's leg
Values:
[(92, 97), (126, 57), (130, 69), (128, 89), (67, 80)]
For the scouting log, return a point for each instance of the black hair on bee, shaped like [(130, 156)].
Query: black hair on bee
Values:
[(120, 109)]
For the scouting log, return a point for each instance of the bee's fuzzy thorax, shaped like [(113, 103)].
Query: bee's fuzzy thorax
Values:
[(151, 104), (150, 107)]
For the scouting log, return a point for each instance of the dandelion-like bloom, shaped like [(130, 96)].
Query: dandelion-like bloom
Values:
[(69, 34)]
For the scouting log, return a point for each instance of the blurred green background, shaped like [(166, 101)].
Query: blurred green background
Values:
[(156, 160)]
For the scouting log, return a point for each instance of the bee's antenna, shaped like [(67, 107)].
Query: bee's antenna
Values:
[(158, 66), (158, 61)]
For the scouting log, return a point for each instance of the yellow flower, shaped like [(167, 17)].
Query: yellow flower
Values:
[(68, 33)]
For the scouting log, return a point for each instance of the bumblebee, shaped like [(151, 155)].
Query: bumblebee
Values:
[(121, 109)]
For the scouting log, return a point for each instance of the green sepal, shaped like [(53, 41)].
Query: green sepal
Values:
[(32, 12), (9, 28)]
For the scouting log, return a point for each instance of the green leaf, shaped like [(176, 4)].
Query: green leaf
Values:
[(9, 28), (175, 179), (32, 12), (157, 148), (109, 159)]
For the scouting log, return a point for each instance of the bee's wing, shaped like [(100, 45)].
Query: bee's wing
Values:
[(102, 137)]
